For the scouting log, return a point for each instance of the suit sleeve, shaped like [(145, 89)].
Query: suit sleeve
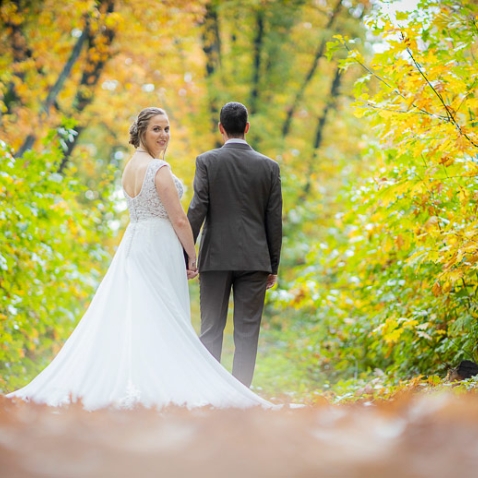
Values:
[(200, 203), (274, 220)]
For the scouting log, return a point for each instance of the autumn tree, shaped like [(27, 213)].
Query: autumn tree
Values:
[(394, 286)]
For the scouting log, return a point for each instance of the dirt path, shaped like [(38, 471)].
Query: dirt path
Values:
[(423, 436)]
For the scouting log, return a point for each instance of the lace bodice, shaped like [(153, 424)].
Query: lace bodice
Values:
[(146, 204)]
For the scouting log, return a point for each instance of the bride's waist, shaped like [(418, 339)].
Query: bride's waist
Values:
[(137, 219), (149, 222)]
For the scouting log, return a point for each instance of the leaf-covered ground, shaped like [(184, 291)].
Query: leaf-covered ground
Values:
[(424, 435)]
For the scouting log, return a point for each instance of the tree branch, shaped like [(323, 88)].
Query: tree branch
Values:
[(420, 112), (449, 112)]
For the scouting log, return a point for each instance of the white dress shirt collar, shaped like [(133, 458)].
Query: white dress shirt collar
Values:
[(236, 140)]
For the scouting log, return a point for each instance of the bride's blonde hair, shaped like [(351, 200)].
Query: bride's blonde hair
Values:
[(140, 124)]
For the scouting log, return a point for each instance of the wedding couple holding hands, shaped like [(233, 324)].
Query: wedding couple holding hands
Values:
[(135, 344)]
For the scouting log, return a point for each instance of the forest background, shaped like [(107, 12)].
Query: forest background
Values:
[(371, 115)]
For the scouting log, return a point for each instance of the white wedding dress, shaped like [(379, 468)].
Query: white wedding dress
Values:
[(135, 344)]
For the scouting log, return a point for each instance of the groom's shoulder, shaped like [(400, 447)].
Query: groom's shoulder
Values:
[(269, 161), (212, 153)]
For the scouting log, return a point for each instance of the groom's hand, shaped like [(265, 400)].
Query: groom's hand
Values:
[(271, 281), (192, 270), (192, 274)]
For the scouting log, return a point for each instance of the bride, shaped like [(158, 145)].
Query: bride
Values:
[(135, 344)]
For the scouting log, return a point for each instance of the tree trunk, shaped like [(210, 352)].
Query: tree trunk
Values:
[(56, 88), (258, 42), (211, 45), (20, 52), (95, 62), (315, 63), (322, 120), (98, 53)]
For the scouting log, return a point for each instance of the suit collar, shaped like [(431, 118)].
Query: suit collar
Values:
[(244, 146)]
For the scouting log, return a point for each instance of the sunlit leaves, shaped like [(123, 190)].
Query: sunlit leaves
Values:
[(402, 258)]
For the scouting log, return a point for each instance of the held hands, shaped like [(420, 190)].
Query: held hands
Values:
[(192, 270), (271, 281)]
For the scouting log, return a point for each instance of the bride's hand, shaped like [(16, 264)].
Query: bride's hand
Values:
[(192, 270), (192, 274)]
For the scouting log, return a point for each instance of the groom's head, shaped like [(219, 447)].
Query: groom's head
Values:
[(233, 119)]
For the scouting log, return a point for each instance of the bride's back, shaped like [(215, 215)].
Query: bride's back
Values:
[(134, 174)]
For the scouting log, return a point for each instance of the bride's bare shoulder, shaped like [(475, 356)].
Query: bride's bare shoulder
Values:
[(135, 165)]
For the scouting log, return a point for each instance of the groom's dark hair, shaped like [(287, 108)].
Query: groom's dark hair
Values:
[(233, 118)]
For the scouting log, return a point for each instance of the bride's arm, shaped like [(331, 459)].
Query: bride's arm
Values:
[(169, 197)]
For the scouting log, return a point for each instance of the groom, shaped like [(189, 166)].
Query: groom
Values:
[(237, 194)]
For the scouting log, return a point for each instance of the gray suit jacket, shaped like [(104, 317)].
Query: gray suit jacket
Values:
[(237, 195)]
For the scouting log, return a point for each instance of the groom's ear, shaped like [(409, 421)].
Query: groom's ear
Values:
[(246, 129), (221, 128)]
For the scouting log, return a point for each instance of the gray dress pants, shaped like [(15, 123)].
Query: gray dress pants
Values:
[(249, 288)]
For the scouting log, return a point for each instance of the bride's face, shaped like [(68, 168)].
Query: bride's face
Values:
[(156, 137)]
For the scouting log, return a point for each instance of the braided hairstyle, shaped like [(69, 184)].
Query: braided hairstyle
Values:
[(140, 124)]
